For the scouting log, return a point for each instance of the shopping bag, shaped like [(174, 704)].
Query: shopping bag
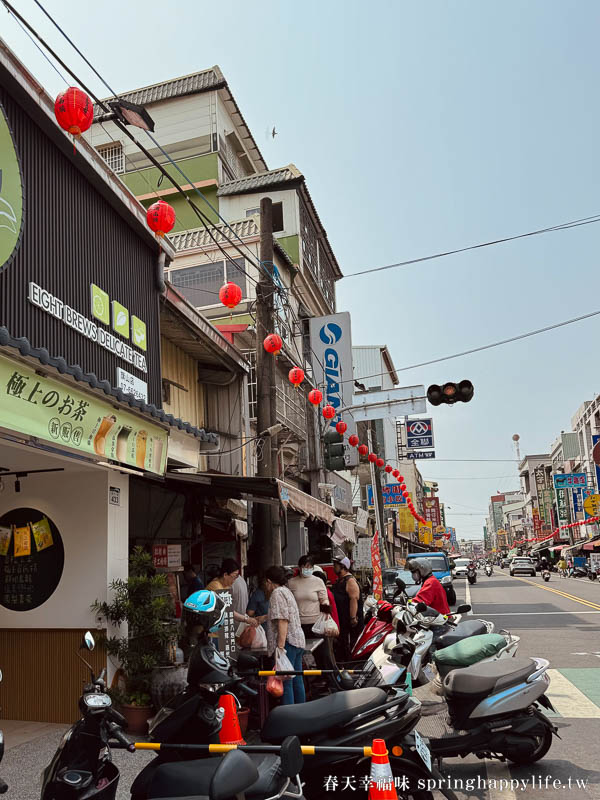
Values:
[(282, 663), (325, 626), (247, 635), (260, 639), (275, 686)]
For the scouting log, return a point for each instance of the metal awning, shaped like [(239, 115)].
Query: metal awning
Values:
[(266, 490), (343, 531)]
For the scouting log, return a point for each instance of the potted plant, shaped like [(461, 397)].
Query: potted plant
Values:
[(142, 602)]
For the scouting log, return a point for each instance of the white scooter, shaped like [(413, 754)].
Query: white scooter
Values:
[(489, 570)]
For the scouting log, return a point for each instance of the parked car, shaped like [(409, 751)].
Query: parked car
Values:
[(460, 568), (522, 564)]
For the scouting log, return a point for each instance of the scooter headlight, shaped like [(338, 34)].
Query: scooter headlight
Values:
[(446, 580)]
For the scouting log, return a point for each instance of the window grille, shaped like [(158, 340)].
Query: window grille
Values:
[(113, 155)]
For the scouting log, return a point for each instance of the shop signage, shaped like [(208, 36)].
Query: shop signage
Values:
[(432, 513), (227, 644), (573, 480), (591, 505), (49, 410), (341, 494), (414, 455), (331, 345), (166, 556), (31, 559), (361, 555), (11, 194), (562, 503), (132, 385), (86, 327), (376, 562), (392, 496), (362, 518), (406, 522), (425, 533), (114, 496), (419, 433)]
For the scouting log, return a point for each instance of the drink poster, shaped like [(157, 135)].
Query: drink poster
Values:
[(376, 562), (31, 559)]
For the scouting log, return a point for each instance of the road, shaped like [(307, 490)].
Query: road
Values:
[(559, 621)]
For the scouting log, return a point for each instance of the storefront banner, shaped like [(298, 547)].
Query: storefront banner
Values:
[(376, 562), (406, 521), (45, 408)]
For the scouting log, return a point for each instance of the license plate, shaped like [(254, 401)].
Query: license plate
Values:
[(422, 750)]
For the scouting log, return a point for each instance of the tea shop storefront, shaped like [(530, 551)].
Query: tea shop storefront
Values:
[(80, 392)]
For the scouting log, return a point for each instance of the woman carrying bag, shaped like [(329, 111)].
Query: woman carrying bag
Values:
[(285, 638)]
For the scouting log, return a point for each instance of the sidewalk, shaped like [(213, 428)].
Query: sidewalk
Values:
[(29, 748)]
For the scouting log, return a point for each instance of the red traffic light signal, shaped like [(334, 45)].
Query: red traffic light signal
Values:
[(450, 393)]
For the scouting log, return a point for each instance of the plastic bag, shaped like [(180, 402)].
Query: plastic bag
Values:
[(326, 626), (260, 639), (282, 662), (275, 686), (246, 635)]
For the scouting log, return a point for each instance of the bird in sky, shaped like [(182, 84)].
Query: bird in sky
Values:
[(274, 132)]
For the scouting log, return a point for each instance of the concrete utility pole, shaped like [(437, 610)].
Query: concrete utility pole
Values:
[(267, 534), (376, 484)]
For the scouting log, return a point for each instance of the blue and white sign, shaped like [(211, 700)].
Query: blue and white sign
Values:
[(418, 454), (419, 433), (331, 345), (392, 496), (572, 480), (577, 501)]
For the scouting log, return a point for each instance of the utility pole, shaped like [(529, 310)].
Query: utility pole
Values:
[(267, 540), (376, 484)]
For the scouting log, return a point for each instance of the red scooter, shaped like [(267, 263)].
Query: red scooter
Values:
[(374, 632)]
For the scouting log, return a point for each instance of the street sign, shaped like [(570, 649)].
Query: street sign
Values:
[(419, 433), (418, 454), (592, 505), (572, 480), (392, 496), (387, 403)]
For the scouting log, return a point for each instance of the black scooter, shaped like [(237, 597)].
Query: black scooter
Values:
[(82, 767), (343, 719), (472, 573)]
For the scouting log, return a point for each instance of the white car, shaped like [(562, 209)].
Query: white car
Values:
[(460, 569), (522, 564)]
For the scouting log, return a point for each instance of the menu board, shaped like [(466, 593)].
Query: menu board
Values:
[(32, 558), (226, 635)]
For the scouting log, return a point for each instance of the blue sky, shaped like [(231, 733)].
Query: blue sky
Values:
[(420, 127)]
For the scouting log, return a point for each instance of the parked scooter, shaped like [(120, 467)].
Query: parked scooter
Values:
[(471, 573), (82, 767)]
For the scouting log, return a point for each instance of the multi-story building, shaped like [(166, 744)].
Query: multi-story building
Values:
[(536, 486)]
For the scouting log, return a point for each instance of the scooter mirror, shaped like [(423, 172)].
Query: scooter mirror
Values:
[(400, 584), (463, 609), (88, 642)]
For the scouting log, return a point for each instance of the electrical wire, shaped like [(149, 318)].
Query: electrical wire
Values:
[(561, 227), (484, 347)]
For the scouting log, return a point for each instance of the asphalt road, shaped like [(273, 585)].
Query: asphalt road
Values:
[(559, 621)]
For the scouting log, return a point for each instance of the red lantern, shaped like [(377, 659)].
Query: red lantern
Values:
[(405, 494), (402, 486), (161, 218), (372, 458), (230, 295), (74, 111), (388, 469), (315, 397), (395, 473), (296, 376), (363, 449), (400, 478), (328, 412), (353, 440), (380, 462), (272, 343), (341, 427)]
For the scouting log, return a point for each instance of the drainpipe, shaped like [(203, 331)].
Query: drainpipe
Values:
[(160, 272)]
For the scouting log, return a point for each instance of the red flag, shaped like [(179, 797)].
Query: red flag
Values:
[(376, 563)]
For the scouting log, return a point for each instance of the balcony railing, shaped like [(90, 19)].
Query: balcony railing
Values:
[(291, 409)]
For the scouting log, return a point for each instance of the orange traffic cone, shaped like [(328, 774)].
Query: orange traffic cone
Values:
[(381, 785), (230, 732)]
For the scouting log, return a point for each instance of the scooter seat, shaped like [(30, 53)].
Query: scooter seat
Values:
[(320, 715), (462, 631), (191, 779), (482, 679)]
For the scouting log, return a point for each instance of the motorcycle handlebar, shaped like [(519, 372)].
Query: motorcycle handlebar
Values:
[(118, 718), (116, 733)]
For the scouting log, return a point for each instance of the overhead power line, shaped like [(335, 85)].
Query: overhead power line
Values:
[(483, 347), (576, 223)]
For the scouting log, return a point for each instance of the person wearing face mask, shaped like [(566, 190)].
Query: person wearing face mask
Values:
[(311, 597)]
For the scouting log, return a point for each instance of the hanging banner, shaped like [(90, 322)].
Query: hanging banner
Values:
[(376, 562), (59, 414), (406, 521)]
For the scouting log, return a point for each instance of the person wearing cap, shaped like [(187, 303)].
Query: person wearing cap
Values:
[(348, 601)]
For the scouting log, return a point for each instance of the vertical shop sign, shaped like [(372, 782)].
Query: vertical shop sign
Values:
[(376, 562), (227, 643)]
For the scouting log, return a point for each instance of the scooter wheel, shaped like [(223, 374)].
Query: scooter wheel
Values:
[(543, 744)]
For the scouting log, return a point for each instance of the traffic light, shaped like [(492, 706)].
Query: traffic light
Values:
[(334, 451), (450, 393)]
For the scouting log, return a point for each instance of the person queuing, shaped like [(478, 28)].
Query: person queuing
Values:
[(229, 573), (284, 631), (311, 596), (348, 600)]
